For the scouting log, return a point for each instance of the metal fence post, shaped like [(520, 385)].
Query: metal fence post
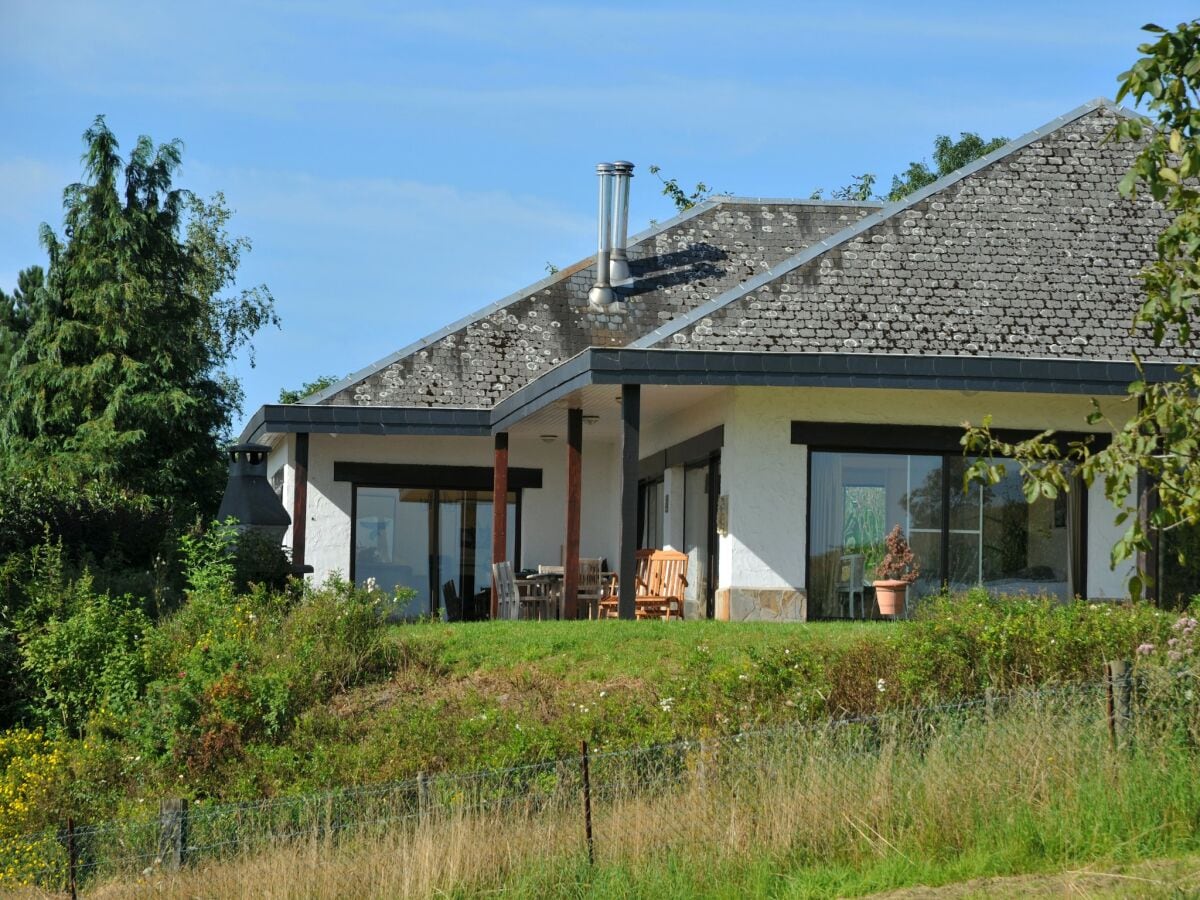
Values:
[(587, 802), (173, 832)]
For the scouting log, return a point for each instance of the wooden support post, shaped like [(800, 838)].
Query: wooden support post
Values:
[(300, 501), (574, 513), (499, 512), (173, 833), (631, 413)]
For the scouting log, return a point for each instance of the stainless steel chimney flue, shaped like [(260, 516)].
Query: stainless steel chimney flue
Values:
[(601, 297), (618, 268)]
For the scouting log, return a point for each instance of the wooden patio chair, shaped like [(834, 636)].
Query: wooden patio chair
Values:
[(508, 600), (589, 585), (661, 577), (451, 602)]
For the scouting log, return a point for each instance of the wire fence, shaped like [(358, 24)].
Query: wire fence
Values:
[(734, 790)]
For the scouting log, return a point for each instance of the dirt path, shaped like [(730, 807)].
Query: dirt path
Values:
[(1153, 878)]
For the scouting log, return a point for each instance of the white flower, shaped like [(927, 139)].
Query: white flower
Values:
[(371, 585), (881, 685), (604, 693), (743, 677)]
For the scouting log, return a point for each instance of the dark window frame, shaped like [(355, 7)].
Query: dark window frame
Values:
[(920, 440), (435, 604)]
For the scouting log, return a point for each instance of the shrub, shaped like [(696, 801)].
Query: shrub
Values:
[(89, 659), (230, 673), (94, 521), (32, 771)]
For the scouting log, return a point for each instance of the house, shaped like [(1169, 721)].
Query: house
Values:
[(775, 384)]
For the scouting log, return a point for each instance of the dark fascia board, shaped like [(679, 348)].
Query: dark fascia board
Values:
[(808, 254), (377, 420), (852, 370), (466, 478), (902, 437)]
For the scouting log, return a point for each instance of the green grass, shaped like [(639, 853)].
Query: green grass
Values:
[(610, 649)]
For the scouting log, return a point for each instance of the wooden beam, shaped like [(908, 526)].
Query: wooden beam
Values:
[(631, 413), (499, 512), (300, 501), (574, 513)]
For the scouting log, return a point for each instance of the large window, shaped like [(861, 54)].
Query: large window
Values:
[(986, 535), (436, 541)]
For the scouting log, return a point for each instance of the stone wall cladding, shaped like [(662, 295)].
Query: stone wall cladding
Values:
[(676, 271), (1033, 255)]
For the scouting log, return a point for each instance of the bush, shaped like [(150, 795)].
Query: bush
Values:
[(962, 644), (32, 771), (230, 674), (95, 522)]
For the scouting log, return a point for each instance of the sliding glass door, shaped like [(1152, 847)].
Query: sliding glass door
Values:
[(438, 542), (984, 535)]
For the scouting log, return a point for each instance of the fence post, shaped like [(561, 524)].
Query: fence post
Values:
[(587, 802), (423, 797), (1119, 690), (72, 858), (173, 832)]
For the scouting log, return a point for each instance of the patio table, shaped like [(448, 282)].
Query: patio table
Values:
[(542, 592)]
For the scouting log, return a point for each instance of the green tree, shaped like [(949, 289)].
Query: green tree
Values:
[(948, 156), (17, 312), (682, 199), (307, 389), (121, 374), (1162, 436)]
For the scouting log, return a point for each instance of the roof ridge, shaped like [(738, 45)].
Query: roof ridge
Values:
[(506, 301), (648, 341)]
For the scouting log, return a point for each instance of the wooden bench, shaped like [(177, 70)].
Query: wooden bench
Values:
[(661, 577)]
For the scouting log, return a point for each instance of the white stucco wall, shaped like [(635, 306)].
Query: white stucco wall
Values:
[(764, 473), (543, 524)]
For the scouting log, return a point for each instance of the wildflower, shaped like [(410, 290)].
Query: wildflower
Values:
[(743, 677), (665, 704), (1145, 649), (1174, 656), (881, 685), (604, 693)]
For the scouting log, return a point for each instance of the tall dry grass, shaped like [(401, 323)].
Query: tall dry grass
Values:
[(916, 797)]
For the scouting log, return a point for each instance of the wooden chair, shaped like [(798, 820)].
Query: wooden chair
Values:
[(661, 577), (508, 600), (589, 585), (451, 602), (850, 582)]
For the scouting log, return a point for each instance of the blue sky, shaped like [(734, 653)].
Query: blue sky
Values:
[(399, 165)]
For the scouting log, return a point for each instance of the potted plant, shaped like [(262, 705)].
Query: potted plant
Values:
[(895, 572)]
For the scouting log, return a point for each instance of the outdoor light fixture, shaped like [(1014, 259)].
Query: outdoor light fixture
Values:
[(549, 438), (590, 419)]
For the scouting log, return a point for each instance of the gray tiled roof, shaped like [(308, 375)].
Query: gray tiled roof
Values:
[(686, 262), (1031, 254)]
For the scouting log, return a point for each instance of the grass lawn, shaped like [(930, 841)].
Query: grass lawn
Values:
[(599, 651)]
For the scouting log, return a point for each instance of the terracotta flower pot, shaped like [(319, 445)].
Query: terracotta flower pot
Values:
[(889, 594)]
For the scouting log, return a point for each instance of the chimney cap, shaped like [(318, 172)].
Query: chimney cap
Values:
[(623, 167), (604, 168)]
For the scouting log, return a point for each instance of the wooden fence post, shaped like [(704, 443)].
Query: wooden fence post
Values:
[(587, 803), (1119, 690), (173, 833), (423, 797), (72, 858)]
